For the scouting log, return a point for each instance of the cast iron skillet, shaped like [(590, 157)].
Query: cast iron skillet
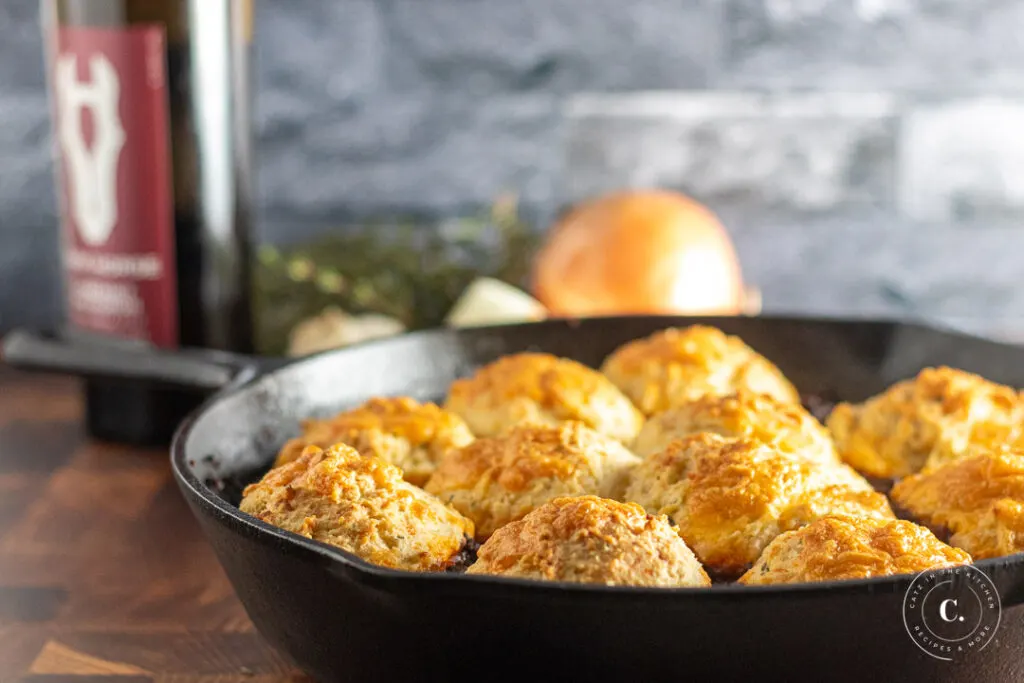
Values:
[(344, 620)]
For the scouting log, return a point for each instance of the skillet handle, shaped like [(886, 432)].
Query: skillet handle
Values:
[(187, 369)]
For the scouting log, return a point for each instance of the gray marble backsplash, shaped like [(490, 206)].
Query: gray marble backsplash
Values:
[(866, 155)]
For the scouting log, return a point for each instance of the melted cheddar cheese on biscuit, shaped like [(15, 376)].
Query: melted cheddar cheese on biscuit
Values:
[(362, 505), (411, 435), (730, 497), (591, 540), (676, 365), (541, 389), (940, 415), (834, 548), (980, 499), (497, 480)]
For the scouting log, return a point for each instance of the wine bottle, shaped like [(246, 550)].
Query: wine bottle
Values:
[(151, 123)]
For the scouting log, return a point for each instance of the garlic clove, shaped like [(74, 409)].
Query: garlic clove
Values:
[(491, 302), (334, 328)]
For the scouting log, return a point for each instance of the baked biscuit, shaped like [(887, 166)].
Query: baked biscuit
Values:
[(784, 426), (979, 498), (675, 365), (495, 481), (919, 423), (836, 548), (541, 389), (362, 505), (840, 500), (731, 497), (591, 540), (402, 431)]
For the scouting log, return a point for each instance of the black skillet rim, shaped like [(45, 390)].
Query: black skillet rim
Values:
[(272, 536)]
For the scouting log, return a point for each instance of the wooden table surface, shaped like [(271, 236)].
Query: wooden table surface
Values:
[(104, 574)]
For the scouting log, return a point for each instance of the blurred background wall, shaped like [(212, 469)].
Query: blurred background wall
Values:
[(867, 156)]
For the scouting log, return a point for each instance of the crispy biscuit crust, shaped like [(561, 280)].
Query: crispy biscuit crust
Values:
[(591, 540), (835, 548), (362, 505), (675, 365), (980, 499), (411, 435), (495, 481), (731, 497), (940, 415), (541, 389), (785, 426)]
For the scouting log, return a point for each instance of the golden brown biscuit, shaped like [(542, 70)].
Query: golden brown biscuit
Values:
[(591, 540), (979, 498), (836, 548), (841, 500), (541, 389), (784, 426), (731, 497), (675, 365), (938, 416), (999, 532), (362, 505), (411, 435), (495, 481)]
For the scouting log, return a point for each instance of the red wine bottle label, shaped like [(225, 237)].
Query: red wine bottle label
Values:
[(112, 129)]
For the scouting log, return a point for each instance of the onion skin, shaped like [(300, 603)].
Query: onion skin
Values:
[(639, 252)]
